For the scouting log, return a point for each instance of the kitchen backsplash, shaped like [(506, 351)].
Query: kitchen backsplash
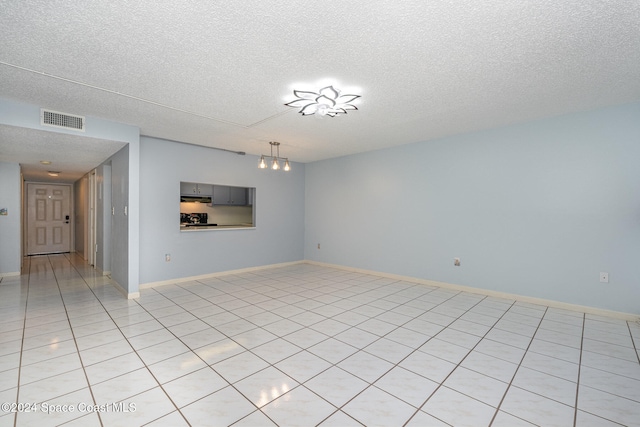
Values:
[(221, 215)]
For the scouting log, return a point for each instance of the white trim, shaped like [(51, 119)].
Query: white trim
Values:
[(10, 274), (102, 272), (487, 292), (123, 291), (218, 274)]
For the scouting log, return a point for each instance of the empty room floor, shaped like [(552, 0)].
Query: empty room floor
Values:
[(302, 345)]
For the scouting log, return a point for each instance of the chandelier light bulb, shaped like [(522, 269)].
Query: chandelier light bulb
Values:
[(275, 165), (262, 164)]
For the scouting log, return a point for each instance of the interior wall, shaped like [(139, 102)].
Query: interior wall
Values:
[(279, 203), (80, 215), (120, 248), (103, 218), (536, 209), (10, 188)]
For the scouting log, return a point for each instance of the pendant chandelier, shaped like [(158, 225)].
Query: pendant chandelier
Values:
[(275, 160)]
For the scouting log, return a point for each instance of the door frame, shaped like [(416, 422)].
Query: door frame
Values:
[(91, 232), (25, 214)]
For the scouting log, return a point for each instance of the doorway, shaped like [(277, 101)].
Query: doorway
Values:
[(48, 218)]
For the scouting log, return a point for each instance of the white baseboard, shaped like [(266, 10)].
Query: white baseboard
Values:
[(102, 272), (10, 274), (218, 274), (123, 291), (523, 298)]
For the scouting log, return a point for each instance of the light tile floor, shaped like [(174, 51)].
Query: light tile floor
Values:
[(301, 346)]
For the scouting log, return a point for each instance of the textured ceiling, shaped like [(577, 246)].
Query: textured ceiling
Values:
[(218, 73), (71, 155)]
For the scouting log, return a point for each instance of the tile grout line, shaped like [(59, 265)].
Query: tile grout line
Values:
[(394, 365), (633, 342), (75, 342), (133, 350), (145, 366), (313, 298), (575, 409), (300, 384), (229, 384), (24, 330), (379, 292), (305, 349), (269, 363), (462, 360), (338, 409), (517, 368), (396, 327), (222, 333)]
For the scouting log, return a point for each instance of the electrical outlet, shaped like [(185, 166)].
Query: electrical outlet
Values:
[(167, 257), (318, 245), (604, 277), (456, 262)]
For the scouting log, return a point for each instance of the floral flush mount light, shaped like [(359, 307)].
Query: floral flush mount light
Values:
[(328, 101)]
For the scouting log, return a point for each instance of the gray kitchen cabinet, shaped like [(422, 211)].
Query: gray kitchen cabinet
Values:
[(195, 189), (223, 195)]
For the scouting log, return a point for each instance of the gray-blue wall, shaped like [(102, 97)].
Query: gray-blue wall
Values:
[(537, 209), (10, 186), (122, 240), (126, 231), (277, 238), (103, 217)]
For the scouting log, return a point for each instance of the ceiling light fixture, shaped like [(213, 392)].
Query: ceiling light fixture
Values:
[(45, 162), (53, 173), (275, 164), (326, 102)]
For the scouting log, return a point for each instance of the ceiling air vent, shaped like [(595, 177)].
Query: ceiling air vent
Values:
[(61, 120)]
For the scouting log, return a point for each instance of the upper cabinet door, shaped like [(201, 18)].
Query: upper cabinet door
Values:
[(194, 189), (237, 196), (188, 189), (220, 195), (223, 195), (205, 189)]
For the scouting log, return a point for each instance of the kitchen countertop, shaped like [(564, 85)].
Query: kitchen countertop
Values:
[(183, 227)]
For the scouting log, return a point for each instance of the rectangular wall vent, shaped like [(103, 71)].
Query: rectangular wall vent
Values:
[(61, 120)]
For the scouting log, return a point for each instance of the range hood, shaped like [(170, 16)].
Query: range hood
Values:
[(195, 199)]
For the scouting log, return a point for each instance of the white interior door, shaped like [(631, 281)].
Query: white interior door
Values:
[(48, 218)]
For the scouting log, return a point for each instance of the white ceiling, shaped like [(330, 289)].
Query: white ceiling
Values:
[(218, 73), (71, 155)]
